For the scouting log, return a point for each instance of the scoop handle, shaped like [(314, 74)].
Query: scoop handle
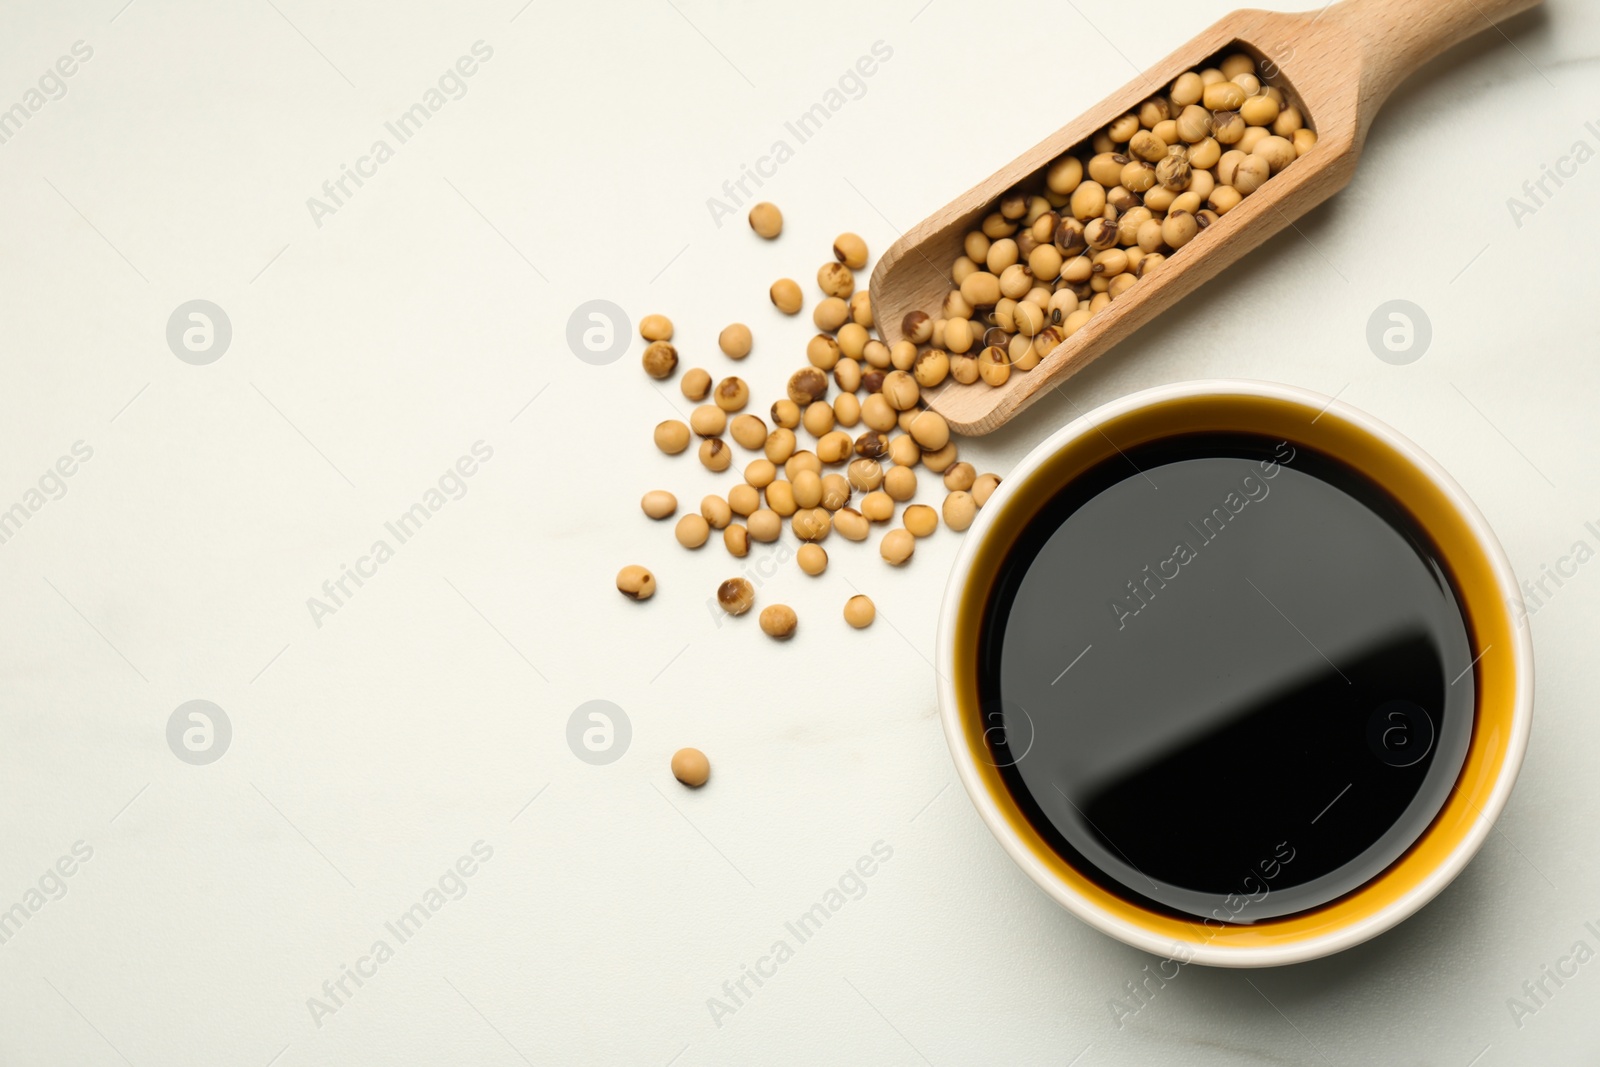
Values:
[(1398, 36)]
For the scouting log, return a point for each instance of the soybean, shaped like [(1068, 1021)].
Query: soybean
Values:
[(659, 327), (830, 314), (901, 390), (846, 409), (811, 524), (897, 546), (865, 474), (658, 503), (780, 498), (959, 476), (940, 460), (744, 499), (779, 621), (807, 385), (732, 394), (994, 365), (660, 359), (785, 293), (759, 473), (716, 511), (836, 491), (692, 531), (959, 510), (802, 460), (765, 525), (930, 368), (715, 455), (851, 524), (921, 520), (877, 506), (696, 384), (859, 611), (735, 340), (748, 431), (836, 279), (736, 596), (850, 250), (900, 483), (766, 220), (807, 488), (708, 420), (930, 430), (780, 445), (904, 451), (690, 766), (672, 436), (636, 583), (861, 309)]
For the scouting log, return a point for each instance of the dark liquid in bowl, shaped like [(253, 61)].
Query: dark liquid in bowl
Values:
[(1226, 677)]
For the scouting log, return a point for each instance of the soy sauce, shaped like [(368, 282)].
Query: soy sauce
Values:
[(1226, 677)]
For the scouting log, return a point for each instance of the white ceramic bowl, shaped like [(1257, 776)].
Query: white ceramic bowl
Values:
[(1494, 776)]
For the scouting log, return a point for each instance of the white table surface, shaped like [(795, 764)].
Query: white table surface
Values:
[(429, 312)]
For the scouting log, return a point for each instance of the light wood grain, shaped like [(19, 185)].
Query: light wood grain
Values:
[(1340, 64)]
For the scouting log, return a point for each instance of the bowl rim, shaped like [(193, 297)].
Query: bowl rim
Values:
[(1199, 950)]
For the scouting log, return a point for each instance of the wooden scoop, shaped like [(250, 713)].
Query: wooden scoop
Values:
[(1339, 64)]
